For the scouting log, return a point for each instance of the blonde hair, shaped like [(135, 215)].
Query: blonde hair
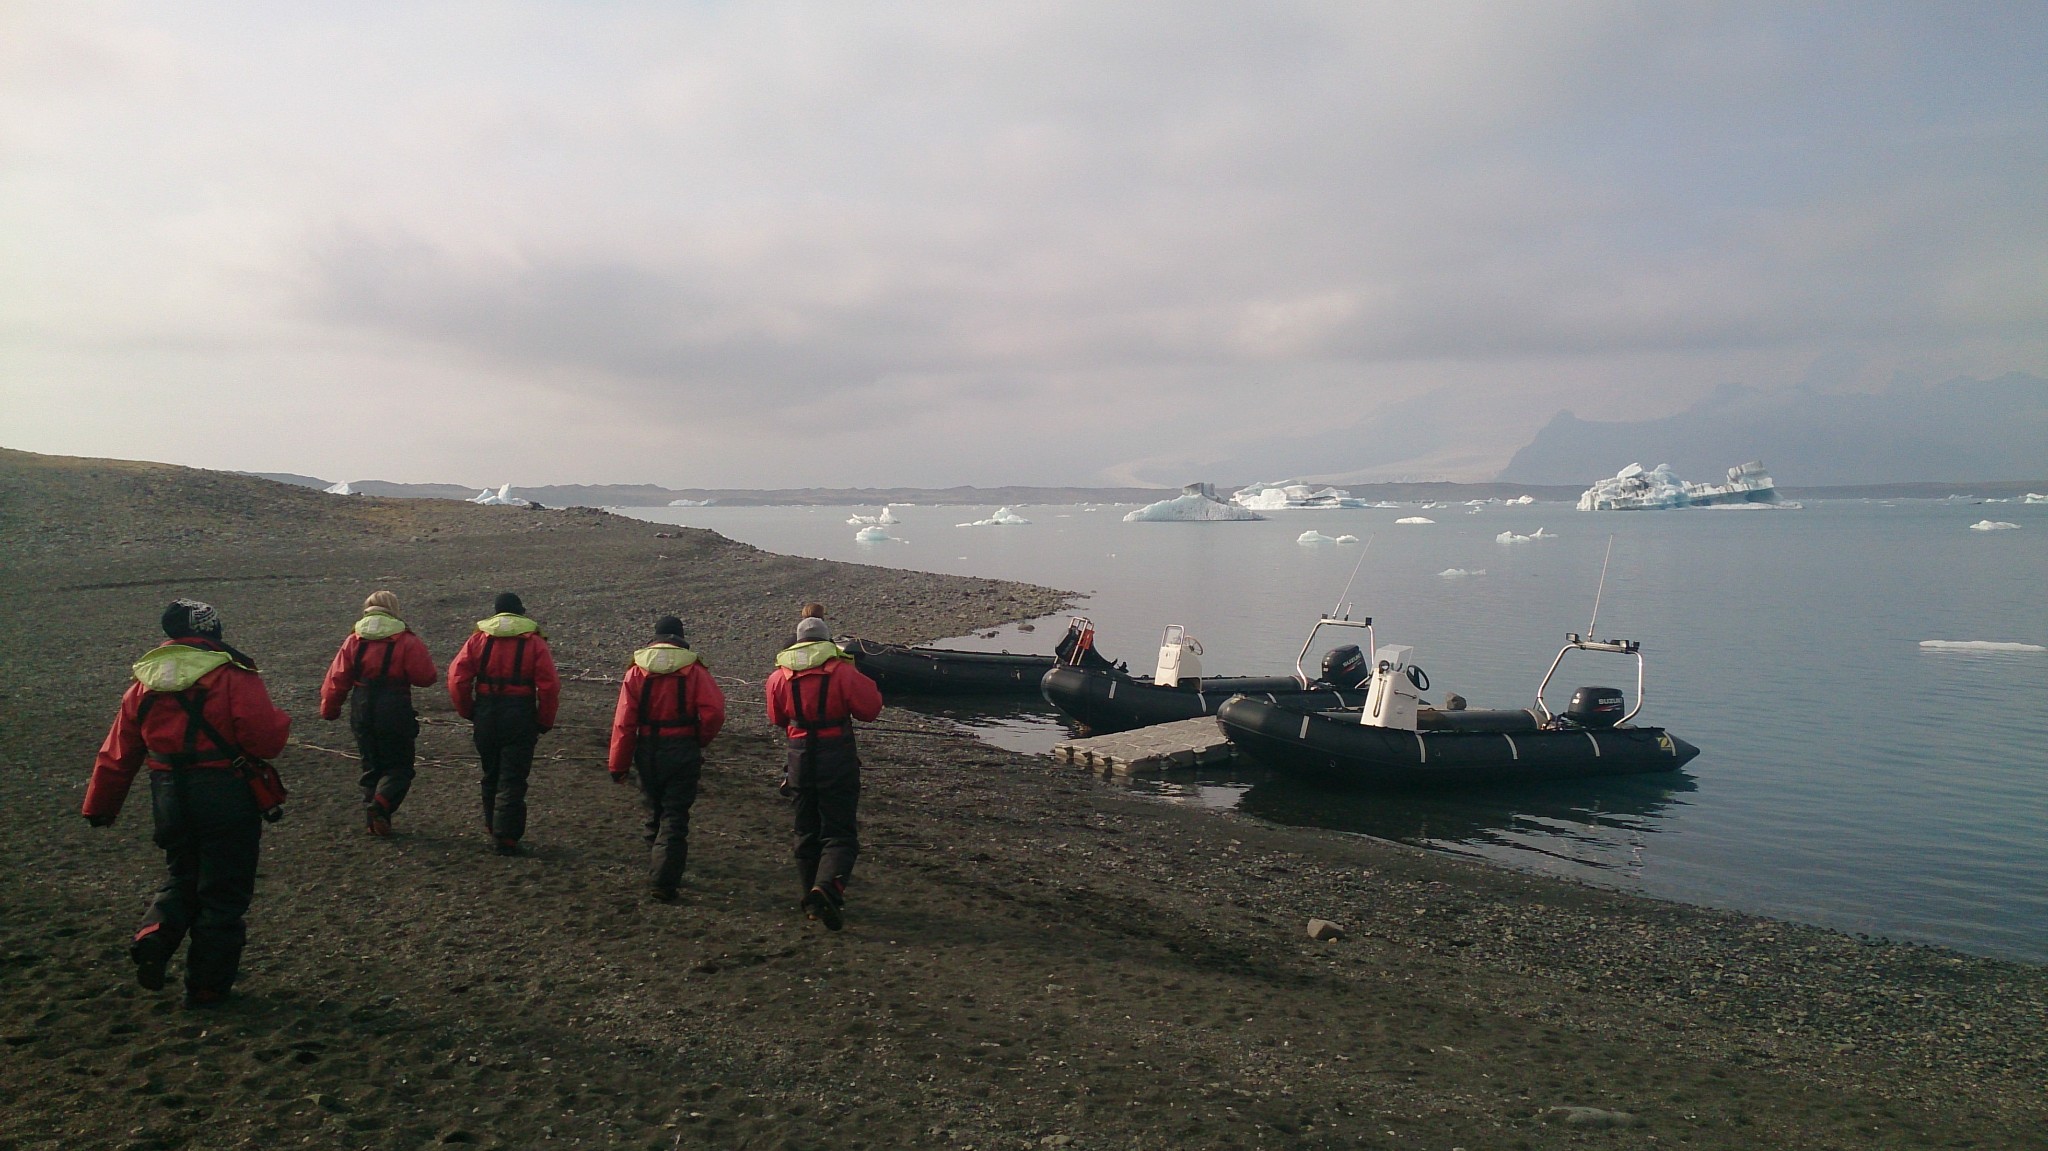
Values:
[(382, 601), (814, 611)]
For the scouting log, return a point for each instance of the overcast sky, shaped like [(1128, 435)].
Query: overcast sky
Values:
[(755, 244)]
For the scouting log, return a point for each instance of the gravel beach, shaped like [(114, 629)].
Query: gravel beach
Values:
[(1033, 958)]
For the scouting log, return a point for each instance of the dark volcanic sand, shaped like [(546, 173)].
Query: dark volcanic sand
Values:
[(1033, 958)]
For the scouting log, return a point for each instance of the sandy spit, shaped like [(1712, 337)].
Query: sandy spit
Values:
[(1034, 958)]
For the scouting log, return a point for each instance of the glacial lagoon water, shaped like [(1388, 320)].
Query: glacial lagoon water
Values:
[(1849, 777)]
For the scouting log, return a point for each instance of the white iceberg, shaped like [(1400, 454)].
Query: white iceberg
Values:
[(1284, 495), (873, 534), (1633, 490), (888, 515), (2034, 498), (340, 489), (1977, 645), (1415, 520), (1002, 517), (689, 503), (1994, 526), (503, 497), (1316, 537), (1196, 503), (1521, 499), (1512, 538), (1461, 573)]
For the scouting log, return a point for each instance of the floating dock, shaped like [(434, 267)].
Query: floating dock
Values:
[(1161, 747)]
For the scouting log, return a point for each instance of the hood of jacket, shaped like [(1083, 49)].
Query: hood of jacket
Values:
[(807, 656), (379, 624), (175, 667), (505, 625), (664, 658)]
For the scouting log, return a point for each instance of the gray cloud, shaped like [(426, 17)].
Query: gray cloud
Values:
[(1139, 239)]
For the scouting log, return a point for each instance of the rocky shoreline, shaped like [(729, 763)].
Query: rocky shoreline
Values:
[(1033, 958)]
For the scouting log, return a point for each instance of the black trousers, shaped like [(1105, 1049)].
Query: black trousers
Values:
[(210, 830), (670, 771), (506, 730), (388, 759), (827, 783)]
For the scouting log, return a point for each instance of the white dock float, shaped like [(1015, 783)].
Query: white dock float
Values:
[(1182, 743)]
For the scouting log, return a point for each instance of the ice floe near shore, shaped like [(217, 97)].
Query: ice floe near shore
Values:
[(1994, 526), (1002, 517), (689, 503), (886, 518), (1512, 538), (874, 534), (1978, 645), (503, 497), (1316, 537), (1415, 520)]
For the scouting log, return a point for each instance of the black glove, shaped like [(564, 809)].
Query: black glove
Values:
[(618, 777), (101, 820)]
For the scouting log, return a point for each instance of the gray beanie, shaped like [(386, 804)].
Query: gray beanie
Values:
[(811, 629)]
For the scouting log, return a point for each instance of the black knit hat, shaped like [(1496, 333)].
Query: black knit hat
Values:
[(190, 617), (669, 627), (508, 603)]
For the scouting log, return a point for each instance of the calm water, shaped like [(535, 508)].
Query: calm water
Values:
[(1848, 776)]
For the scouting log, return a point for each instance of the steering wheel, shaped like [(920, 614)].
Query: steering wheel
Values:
[(1418, 677)]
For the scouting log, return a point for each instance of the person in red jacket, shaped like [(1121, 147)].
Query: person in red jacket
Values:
[(376, 669), (196, 705), (815, 694), (669, 710), (504, 681)]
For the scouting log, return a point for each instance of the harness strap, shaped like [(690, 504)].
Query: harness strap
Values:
[(686, 720), (383, 679), (195, 724), (503, 684)]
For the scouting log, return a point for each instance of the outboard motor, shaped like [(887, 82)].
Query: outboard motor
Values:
[(1344, 668), (1595, 707)]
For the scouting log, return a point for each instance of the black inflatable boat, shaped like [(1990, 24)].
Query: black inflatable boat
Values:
[(900, 669), (1114, 700), (1394, 741)]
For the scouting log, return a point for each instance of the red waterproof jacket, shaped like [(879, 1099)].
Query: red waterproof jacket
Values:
[(401, 658), (154, 723), (832, 693), (505, 660), (667, 704)]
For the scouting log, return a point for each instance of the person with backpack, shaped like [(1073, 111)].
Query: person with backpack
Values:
[(815, 694), (197, 713), (669, 710), (504, 681), (376, 669)]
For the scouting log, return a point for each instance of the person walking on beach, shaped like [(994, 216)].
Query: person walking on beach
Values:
[(376, 669), (815, 694), (669, 710), (504, 681), (197, 705)]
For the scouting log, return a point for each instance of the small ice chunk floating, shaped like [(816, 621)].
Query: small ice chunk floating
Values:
[(1977, 645), (1633, 489), (1994, 526), (1001, 517)]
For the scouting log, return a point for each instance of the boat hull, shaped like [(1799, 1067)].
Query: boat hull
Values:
[(1109, 701), (898, 669), (1340, 750)]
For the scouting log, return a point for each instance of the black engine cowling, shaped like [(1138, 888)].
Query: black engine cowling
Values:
[(1596, 707), (1344, 668)]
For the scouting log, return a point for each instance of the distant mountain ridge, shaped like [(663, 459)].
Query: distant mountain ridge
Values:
[(1961, 432)]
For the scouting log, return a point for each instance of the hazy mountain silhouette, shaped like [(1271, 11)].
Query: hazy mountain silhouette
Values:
[(1958, 432)]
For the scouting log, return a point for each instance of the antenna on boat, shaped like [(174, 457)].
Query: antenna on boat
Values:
[(1602, 589), (1339, 609)]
